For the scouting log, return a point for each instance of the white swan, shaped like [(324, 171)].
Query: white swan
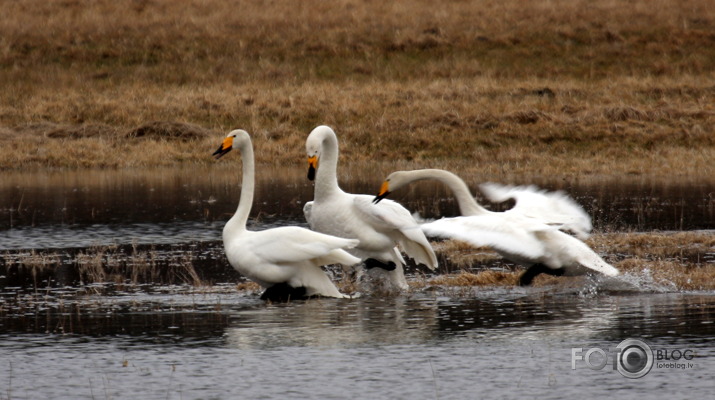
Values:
[(284, 260), (529, 233), (379, 227)]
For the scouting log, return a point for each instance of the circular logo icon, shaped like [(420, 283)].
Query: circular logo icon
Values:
[(635, 359)]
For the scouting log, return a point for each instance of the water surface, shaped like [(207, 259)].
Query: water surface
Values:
[(61, 338), (75, 209), (502, 343)]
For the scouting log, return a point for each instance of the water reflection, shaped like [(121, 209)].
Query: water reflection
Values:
[(186, 341), (47, 210), (86, 235), (154, 315), (143, 196), (178, 315), (668, 318), (336, 323)]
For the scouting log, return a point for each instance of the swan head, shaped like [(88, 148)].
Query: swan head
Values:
[(227, 144), (314, 146), (393, 182)]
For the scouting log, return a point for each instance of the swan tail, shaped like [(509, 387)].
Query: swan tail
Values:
[(315, 282), (337, 256)]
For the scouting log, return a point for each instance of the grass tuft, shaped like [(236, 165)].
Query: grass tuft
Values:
[(483, 278)]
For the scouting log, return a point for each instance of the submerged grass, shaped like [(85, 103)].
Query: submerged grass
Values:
[(100, 264), (681, 261)]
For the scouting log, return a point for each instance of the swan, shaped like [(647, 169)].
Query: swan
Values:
[(378, 227), (530, 233), (285, 260)]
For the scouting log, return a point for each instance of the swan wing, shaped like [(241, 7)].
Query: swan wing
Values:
[(549, 207), (390, 216), (293, 244), (386, 214), (585, 256), (308, 212), (498, 233)]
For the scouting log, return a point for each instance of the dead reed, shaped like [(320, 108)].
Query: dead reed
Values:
[(100, 264)]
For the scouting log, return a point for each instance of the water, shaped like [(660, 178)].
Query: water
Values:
[(78, 209), (182, 344), (62, 339)]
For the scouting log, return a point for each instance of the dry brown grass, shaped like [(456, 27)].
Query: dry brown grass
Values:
[(249, 286), (461, 256), (668, 245), (682, 259), (673, 273), (483, 278), (560, 87)]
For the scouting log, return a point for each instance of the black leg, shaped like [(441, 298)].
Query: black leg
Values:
[(282, 292), (532, 272), (371, 263), (554, 272)]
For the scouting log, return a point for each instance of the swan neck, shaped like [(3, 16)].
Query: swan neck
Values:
[(245, 202), (326, 178), (467, 203)]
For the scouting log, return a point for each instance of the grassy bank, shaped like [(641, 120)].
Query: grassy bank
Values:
[(548, 88)]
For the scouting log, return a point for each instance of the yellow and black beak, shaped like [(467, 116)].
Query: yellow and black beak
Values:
[(384, 192), (225, 147), (312, 166)]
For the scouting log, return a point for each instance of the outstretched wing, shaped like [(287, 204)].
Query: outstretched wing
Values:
[(493, 232), (548, 207)]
